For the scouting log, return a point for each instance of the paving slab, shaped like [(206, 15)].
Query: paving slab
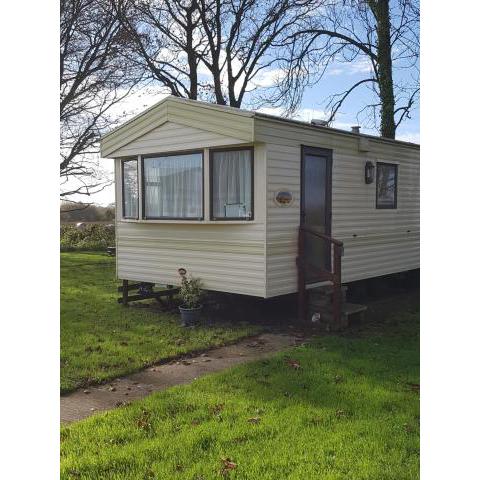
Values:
[(88, 401)]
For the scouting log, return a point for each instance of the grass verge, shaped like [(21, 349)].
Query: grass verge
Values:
[(101, 340), (338, 408)]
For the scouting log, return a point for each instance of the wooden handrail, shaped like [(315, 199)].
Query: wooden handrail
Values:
[(335, 276), (332, 240)]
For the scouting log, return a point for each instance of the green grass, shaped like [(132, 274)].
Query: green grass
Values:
[(350, 412), (101, 340)]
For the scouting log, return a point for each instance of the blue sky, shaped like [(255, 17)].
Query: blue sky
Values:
[(340, 78)]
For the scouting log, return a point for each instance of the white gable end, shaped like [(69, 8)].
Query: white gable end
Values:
[(171, 137), (220, 125)]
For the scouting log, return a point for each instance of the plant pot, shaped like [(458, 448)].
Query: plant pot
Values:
[(190, 316)]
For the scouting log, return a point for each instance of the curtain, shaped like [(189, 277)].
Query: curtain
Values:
[(232, 184), (173, 186), (386, 184), (130, 189)]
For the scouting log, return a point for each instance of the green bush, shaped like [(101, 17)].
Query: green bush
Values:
[(89, 237), (191, 290)]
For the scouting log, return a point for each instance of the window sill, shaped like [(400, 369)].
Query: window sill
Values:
[(191, 222)]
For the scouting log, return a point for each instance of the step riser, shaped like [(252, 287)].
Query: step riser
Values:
[(326, 292), (324, 299)]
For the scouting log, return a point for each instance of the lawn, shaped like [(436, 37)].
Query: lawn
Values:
[(101, 340), (342, 407)]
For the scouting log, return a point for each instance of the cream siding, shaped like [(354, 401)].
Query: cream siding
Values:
[(224, 121), (258, 258), (227, 256), (377, 242), (170, 136), (130, 131)]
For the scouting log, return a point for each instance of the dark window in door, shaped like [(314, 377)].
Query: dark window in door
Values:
[(316, 207), (387, 174)]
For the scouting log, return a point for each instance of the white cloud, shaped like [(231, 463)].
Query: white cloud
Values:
[(268, 78), (362, 65)]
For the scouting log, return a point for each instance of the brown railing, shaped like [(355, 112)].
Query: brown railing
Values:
[(334, 274)]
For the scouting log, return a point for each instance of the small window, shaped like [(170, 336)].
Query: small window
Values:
[(232, 184), (387, 185), (173, 186), (130, 188)]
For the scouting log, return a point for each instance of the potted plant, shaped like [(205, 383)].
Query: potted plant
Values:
[(191, 295)]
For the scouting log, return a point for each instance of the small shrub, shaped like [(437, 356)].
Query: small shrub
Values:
[(190, 290), (89, 237)]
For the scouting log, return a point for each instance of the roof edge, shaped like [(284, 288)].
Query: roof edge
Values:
[(259, 115), (338, 131), (172, 98)]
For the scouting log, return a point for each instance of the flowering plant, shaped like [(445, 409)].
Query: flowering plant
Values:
[(190, 289)]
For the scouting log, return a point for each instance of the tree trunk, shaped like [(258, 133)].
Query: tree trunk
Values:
[(385, 72), (191, 55), (218, 84)]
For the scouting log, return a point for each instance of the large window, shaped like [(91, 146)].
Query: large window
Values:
[(130, 189), (173, 186), (387, 185), (231, 184)]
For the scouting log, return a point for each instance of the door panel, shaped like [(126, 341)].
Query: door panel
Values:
[(316, 205)]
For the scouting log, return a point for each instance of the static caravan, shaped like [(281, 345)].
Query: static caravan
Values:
[(228, 194)]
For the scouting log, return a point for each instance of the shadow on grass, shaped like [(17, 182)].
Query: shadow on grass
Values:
[(348, 411)]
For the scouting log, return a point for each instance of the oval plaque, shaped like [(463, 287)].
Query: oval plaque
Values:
[(283, 198)]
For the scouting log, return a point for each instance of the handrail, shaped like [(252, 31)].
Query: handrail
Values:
[(321, 235), (335, 276)]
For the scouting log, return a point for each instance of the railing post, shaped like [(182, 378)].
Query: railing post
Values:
[(337, 285), (335, 275), (125, 293), (302, 297)]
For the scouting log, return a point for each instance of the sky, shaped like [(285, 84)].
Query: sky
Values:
[(337, 79)]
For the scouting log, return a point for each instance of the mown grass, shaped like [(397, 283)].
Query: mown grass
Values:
[(351, 411), (101, 340)]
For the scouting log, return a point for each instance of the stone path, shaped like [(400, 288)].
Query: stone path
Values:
[(85, 402)]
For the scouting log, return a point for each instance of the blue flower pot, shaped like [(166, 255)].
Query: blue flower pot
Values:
[(190, 316)]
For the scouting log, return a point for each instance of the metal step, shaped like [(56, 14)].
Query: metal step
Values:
[(312, 286), (353, 308), (326, 314)]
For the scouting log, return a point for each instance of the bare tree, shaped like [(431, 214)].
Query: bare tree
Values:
[(94, 77), (210, 49), (383, 33), (163, 37)]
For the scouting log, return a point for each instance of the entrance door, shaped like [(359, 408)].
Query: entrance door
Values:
[(315, 213)]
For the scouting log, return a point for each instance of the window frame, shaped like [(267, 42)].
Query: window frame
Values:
[(211, 153), (395, 201), (172, 154), (123, 161)]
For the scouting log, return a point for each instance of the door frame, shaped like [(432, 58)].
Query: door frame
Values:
[(328, 154)]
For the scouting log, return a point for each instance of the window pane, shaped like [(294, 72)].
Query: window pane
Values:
[(386, 185), (130, 189), (173, 186), (232, 184)]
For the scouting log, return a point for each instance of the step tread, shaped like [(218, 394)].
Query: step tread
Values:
[(312, 286), (347, 308), (352, 308)]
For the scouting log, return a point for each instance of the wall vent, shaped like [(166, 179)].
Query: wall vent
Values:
[(318, 122)]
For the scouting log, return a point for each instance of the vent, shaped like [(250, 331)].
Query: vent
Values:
[(319, 123), (356, 129)]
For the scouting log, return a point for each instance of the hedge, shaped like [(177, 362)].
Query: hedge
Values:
[(92, 236)]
